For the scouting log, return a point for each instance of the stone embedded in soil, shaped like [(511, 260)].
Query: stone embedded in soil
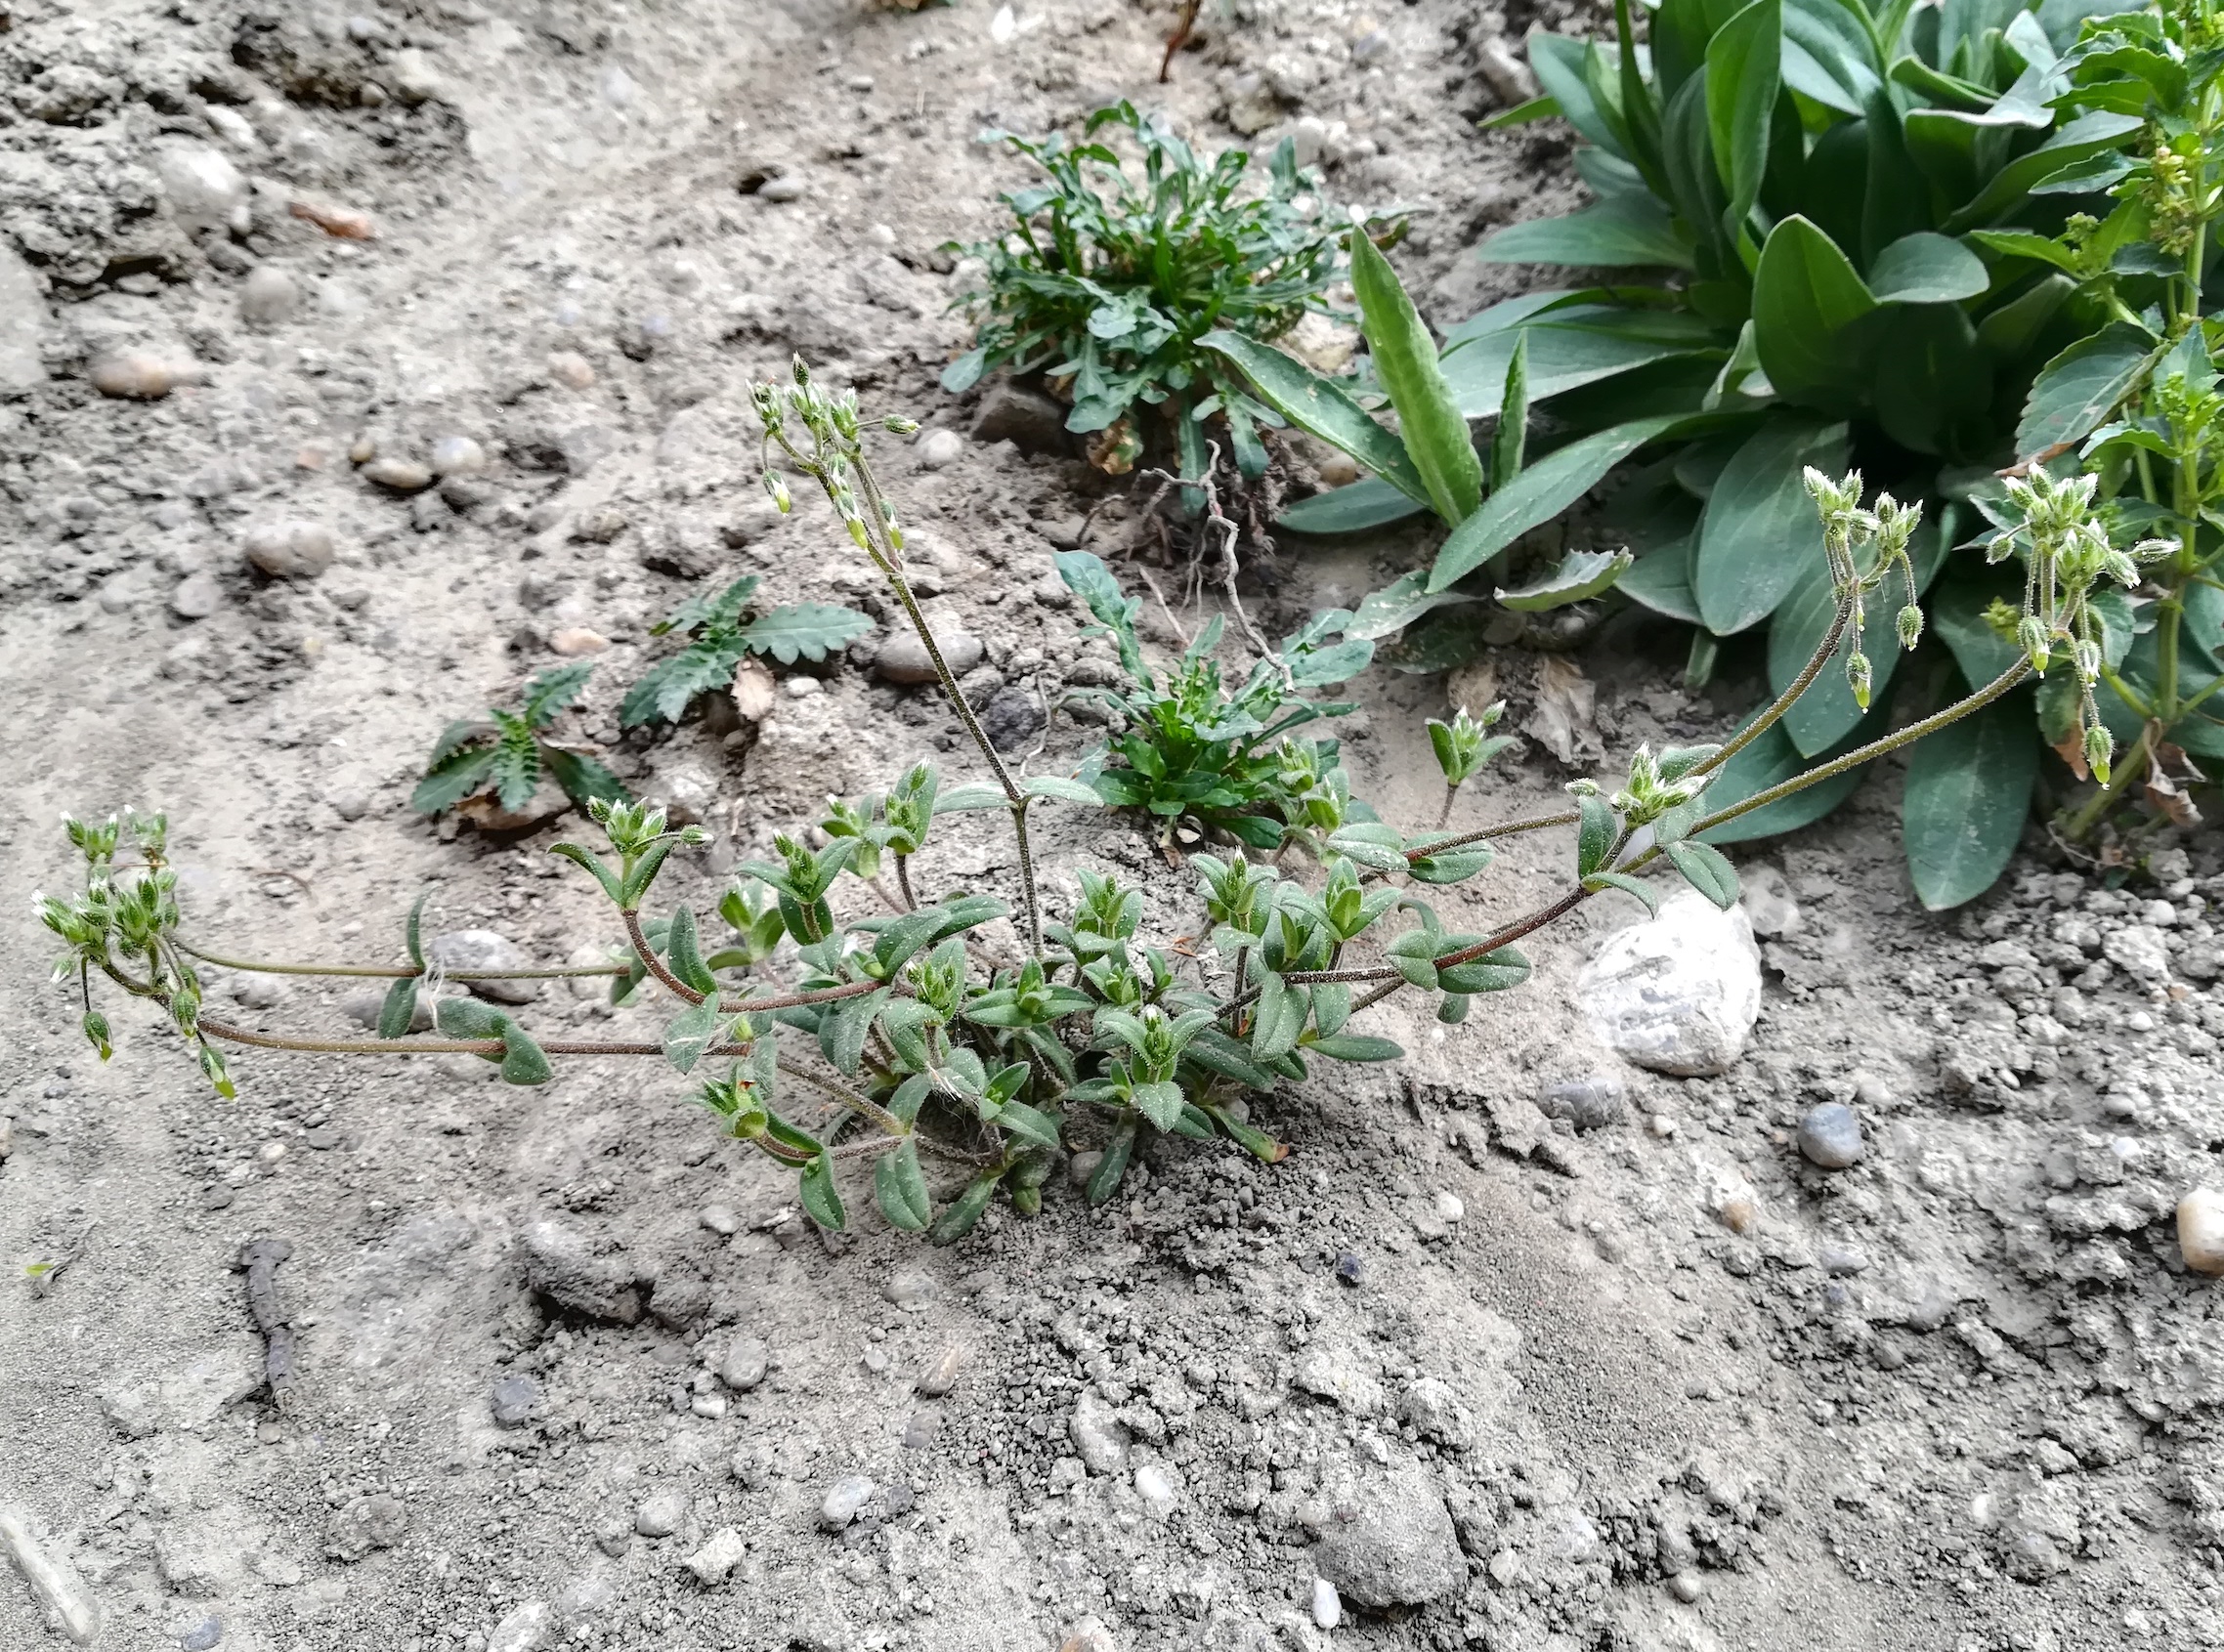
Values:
[(939, 1378), (136, 375), (2201, 1230), (1333, 1373), (1431, 1409), (63, 1598), (289, 550), (1767, 898), (911, 1288), (1680, 993), (1589, 1103), (457, 455), (1031, 421), (269, 296), (485, 949), (200, 1636), (513, 1400), (939, 448), (903, 658), (720, 1554), (1327, 1604), (2139, 952), (562, 1264), (744, 1363), (1393, 1543), (718, 1218), (1098, 1435), (203, 189), (400, 476), (1830, 1136), (844, 1499), (1155, 1487), (661, 1516), (197, 595), (522, 1629)]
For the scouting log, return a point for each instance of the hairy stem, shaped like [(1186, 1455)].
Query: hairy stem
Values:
[(385, 972), (1504, 829), (849, 1098), (435, 1047), (904, 882), (1799, 685)]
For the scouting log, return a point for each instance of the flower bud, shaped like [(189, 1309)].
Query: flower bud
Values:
[(776, 486), (1858, 678), (802, 373), (896, 425), (2100, 746), (1910, 625), (2032, 638)]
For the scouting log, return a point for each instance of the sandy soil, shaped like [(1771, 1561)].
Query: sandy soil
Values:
[(1963, 1395)]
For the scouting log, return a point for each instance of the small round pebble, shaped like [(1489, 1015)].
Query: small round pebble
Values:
[(938, 449), (785, 187), (1450, 1207), (289, 550), (268, 296), (513, 1400), (402, 476), (203, 1634), (939, 1378), (1350, 1268), (743, 1366), (571, 369), (135, 375), (2201, 1230), (457, 455), (1154, 1487), (1327, 1604), (904, 657), (661, 1516), (1685, 1586), (911, 1288), (1830, 1136), (719, 1219), (844, 1499), (197, 597)]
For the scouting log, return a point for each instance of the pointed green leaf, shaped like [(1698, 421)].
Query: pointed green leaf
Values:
[(1969, 790), (1321, 408), (901, 1190), (1580, 575), (1509, 442), (1707, 870), (1541, 493), (691, 1032), (1353, 508), (1160, 1103), (1638, 888), (399, 1009), (820, 1200), (1434, 431), (684, 953)]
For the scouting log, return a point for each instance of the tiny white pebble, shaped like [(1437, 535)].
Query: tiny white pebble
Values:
[(1327, 1604), (1450, 1207), (1663, 1126)]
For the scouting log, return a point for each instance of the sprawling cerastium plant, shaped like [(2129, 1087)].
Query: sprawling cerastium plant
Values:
[(925, 1024)]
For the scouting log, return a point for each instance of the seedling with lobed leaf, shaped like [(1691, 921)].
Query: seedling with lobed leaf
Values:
[(719, 637), (505, 755), (918, 1027)]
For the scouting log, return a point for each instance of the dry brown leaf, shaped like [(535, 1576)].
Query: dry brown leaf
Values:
[(752, 691), (1565, 719)]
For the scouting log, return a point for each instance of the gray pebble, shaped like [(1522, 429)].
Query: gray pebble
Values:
[(911, 1290), (919, 1429), (402, 476), (1841, 1261), (1098, 1435), (1083, 1165), (938, 449), (197, 597), (1032, 422), (785, 187), (289, 550), (1685, 1586), (1830, 1136), (904, 657), (484, 949), (720, 1554), (269, 296), (745, 1364), (513, 1400), (938, 1378), (457, 455), (1589, 1103), (661, 1516), (1394, 1544), (718, 1218), (203, 1634), (844, 1498)]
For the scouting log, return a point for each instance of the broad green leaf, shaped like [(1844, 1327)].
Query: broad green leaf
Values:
[(1743, 71), (2081, 387), (1619, 232), (1356, 1047), (1581, 575), (1829, 54), (2087, 135), (1029, 1124), (398, 1009), (1509, 441), (1565, 348), (820, 1200), (1933, 384), (1404, 357), (1278, 1017), (1322, 408), (1368, 502), (523, 1061), (1643, 892), (684, 953), (1759, 534), (2025, 243), (467, 1018), (1957, 615), (1104, 1180), (966, 1210), (1598, 828), (1968, 793), (803, 631), (1926, 268), (1493, 972), (1160, 1103), (901, 1190), (1559, 66), (1399, 604), (690, 1032), (1508, 313), (973, 794), (1057, 785), (1807, 298), (1707, 870), (1661, 580), (1541, 493)]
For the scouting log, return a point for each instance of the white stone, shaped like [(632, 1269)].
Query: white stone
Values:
[(2201, 1230), (63, 1599), (523, 1629), (940, 447), (1155, 1487), (720, 1554), (2139, 952), (1680, 993), (1327, 1604), (204, 189)]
